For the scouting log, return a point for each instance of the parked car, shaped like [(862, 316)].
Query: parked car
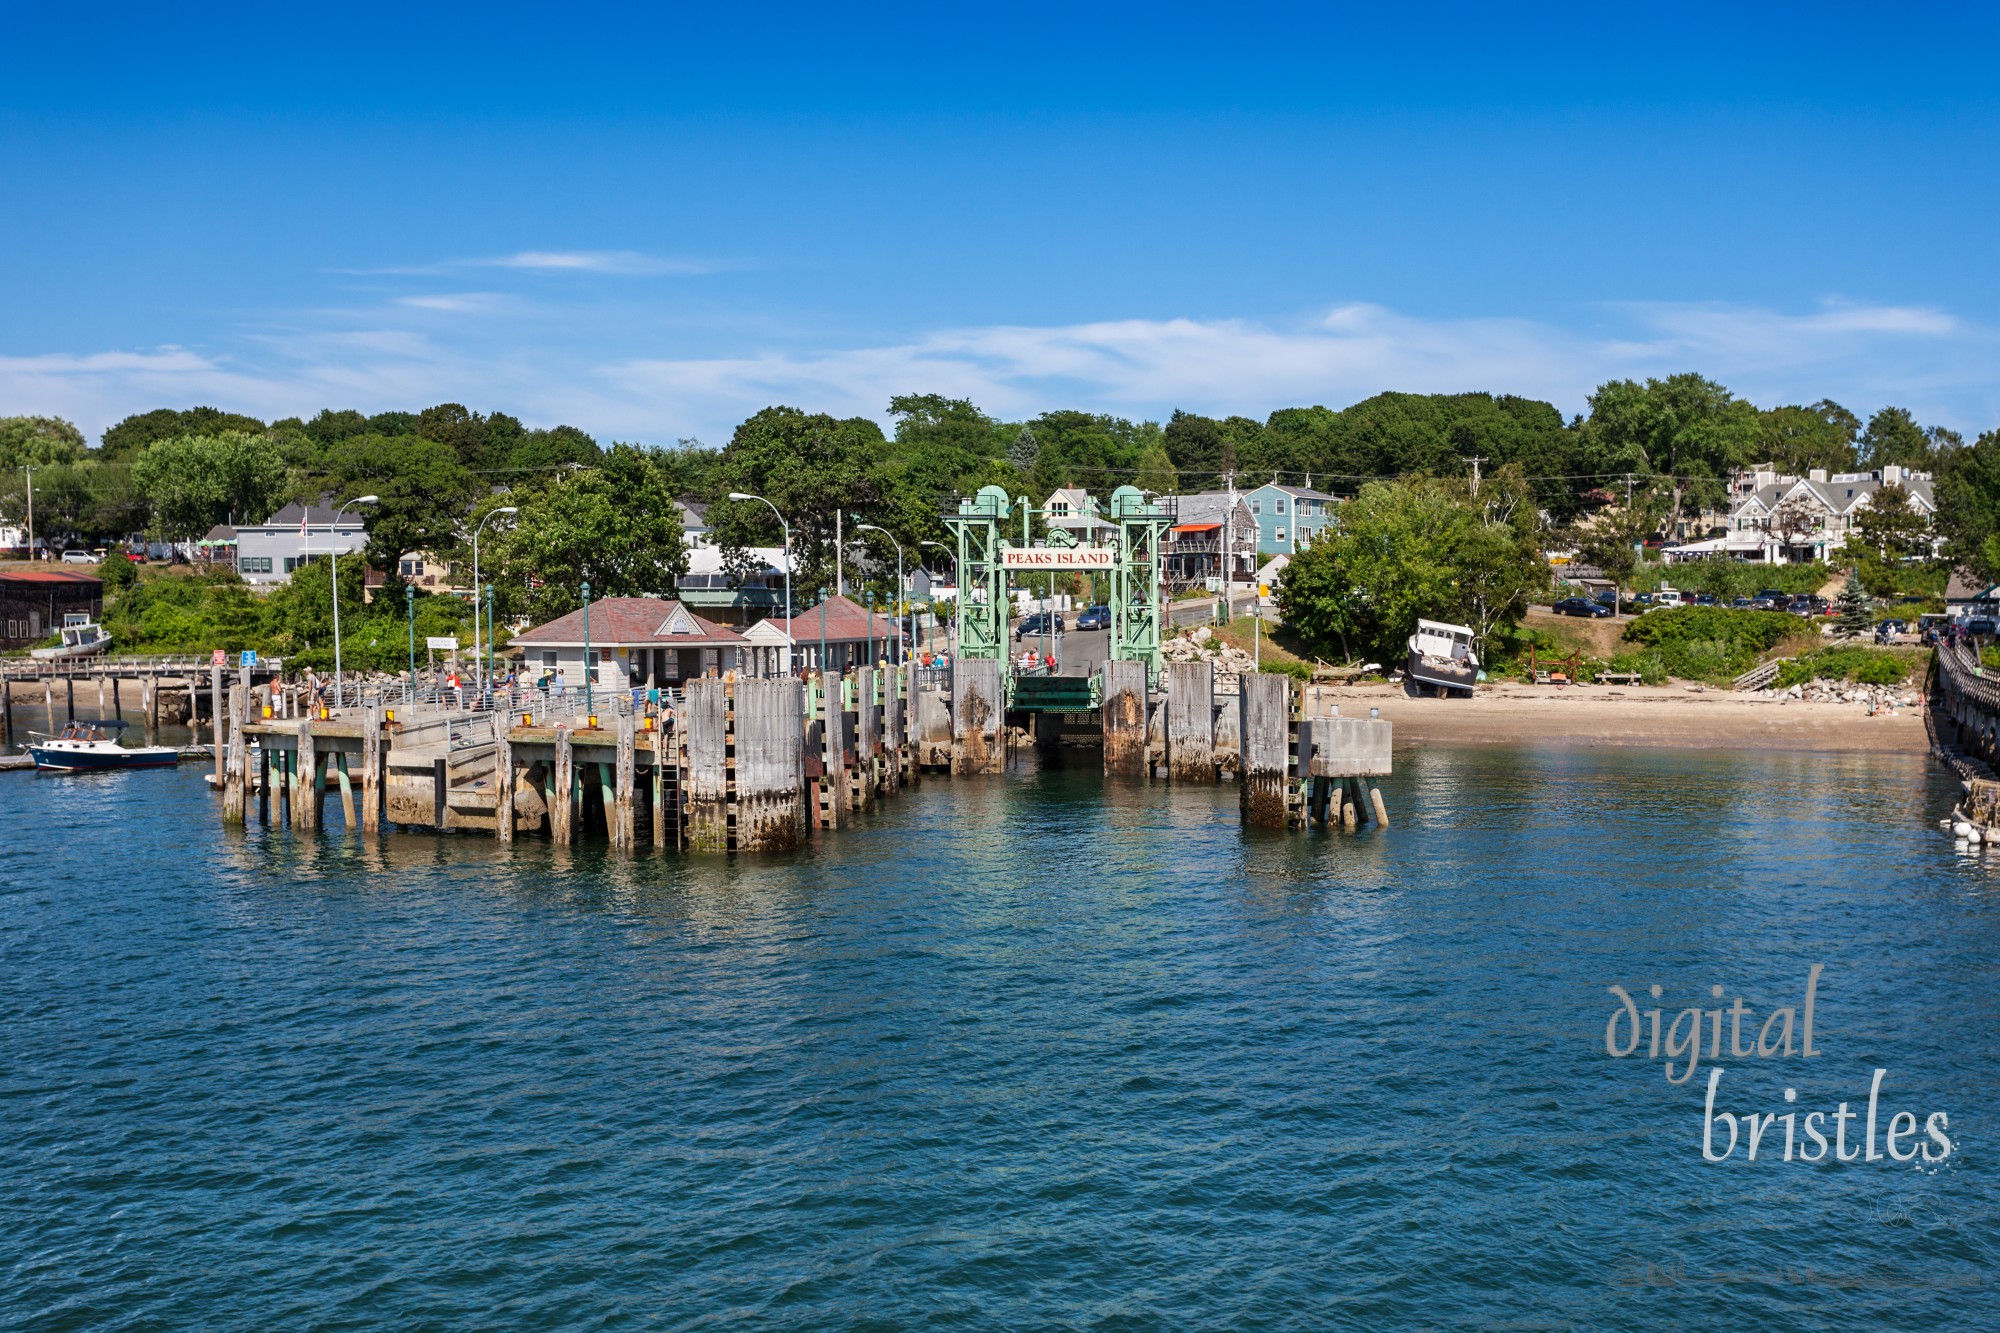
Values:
[(1887, 631), (1743, 603), (1982, 627), (1042, 622), (79, 558), (1780, 601), (1763, 603), (1581, 606), (1094, 617), (1812, 604), (1706, 599)]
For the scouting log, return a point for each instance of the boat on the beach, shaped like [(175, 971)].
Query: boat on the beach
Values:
[(1441, 656), (92, 747), (84, 640)]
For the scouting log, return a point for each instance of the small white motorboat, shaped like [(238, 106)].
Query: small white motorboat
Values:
[(1441, 657), (85, 640), (92, 747)]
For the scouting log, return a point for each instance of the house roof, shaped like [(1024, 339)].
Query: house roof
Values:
[(1298, 492), (218, 534), (48, 577), (846, 620), (632, 622), (318, 516), (1964, 586)]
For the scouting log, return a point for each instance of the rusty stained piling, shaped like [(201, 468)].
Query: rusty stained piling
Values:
[(623, 818), (978, 708), (834, 749), (770, 765), (1123, 718), (863, 781), (236, 776), (562, 786)]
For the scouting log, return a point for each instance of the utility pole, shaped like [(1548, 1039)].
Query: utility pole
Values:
[(31, 511), (1228, 543), (839, 558), (1475, 475)]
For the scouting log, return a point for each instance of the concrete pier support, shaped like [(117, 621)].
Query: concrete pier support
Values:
[(978, 715), (895, 715), (1191, 721), (1264, 715), (1123, 718), (705, 715), (770, 767)]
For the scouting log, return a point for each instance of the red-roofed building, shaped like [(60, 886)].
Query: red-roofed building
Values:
[(850, 631), (634, 641), (33, 603)]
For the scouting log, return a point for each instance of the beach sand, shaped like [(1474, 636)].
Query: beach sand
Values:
[(1669, 715)]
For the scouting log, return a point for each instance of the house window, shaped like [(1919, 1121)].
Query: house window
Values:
[(410, 569), (255, 564), (1281, 534), (593, 666), (291, 563), (1279, 507), (1256, 506), (548, 659), (13, 629)]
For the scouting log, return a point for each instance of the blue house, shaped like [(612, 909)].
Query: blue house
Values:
[(1289, 517)]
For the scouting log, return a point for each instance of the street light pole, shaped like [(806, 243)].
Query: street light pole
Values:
[(791, 649), (586, 650), (410, 604), (959, 609), (333, 564), (489, 630), (505, 509), (871, 527)]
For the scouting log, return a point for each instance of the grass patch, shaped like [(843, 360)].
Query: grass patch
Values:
[(1709, 642), (1850, 662)]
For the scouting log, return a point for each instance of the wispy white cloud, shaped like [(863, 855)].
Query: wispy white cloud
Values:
[(517, 360), (621, 262)]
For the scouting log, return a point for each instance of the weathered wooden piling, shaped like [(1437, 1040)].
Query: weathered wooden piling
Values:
[(978, 717), (865, 779), (1264, 710), (503, 785), (770, 767), (371, 770), (1191, 721), (705, 716), (624, 818), (562, 783), (306, 787), (236, 777), (1122, 718), (835, 746)]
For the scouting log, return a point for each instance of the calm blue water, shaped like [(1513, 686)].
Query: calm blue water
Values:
[(1021, 1053)]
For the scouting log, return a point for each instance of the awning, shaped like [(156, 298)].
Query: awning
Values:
[(1196, 527)]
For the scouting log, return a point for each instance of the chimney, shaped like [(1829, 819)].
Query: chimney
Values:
[(1817, 474), (1892, 475)]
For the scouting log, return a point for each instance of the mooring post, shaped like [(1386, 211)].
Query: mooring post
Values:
[(236, 778), (662, 753), (7, 708), (371, 769), (1191, 721), (562, 807), (440, 789), (503, 778), (833, 775), (705, 713), (770, 765), (69, 698), (867, 738), (624, 820), (339, 760), (892, 730), (214, 713), (305, 792)]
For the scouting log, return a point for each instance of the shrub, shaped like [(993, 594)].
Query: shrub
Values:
[(1854, 662), (1707, 642)]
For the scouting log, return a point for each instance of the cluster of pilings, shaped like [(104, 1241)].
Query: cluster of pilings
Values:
[(1962, 718), (748, 764), (737, 764)]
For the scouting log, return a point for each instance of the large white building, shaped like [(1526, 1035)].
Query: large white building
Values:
[(1780, 520)]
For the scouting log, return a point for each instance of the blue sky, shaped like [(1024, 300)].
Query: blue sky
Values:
[(649, 222)]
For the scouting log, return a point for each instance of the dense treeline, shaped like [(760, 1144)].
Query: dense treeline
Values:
[(1646, 453)]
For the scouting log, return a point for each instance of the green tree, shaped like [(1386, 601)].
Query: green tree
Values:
[(193, 482), (1796, 440), (1894, 437), (1890, 528), (1404, 550), (38, 442), (811, 466), (425, 492), (1968, 506), (614, 526), (124, 441), (1857, 612), (1688, 431), (1613, 537)]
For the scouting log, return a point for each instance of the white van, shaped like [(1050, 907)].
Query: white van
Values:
[(1669, 597)]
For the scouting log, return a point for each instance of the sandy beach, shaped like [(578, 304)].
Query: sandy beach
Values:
[(1670, 715)]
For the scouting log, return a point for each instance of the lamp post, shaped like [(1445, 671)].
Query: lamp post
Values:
[(955, 581), (333, 563), (586, 650), (505, 509), (489, 630), (410, 604), (822, 629), (790, 648), (870, 527)]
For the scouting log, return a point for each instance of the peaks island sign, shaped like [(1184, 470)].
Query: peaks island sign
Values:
[(1059, 557)]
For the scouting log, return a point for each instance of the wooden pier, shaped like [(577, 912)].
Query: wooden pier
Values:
[(747, 764)]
